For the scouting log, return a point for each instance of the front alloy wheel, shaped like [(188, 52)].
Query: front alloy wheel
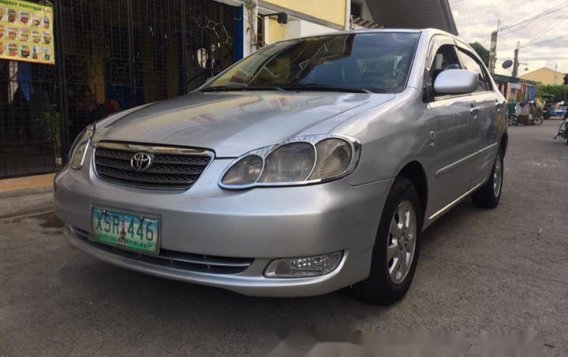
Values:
[(396, 249), (401, 242)]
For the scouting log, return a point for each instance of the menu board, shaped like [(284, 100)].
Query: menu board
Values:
[(26, 32)]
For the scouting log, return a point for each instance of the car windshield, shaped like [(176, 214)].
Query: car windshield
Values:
[(363, 62)]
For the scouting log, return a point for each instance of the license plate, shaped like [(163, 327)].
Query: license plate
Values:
[(136, 232)]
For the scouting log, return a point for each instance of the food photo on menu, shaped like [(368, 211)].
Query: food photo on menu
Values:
[(24, 17), (35, 20), (46, 37), (1, 48), (12, 49), (2, 13), (36, 36), (12, 34), (24, 35), (1, 31), (11, 15), (46, 22), (24, 51)]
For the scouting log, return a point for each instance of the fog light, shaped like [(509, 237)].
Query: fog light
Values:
[(303, 267)]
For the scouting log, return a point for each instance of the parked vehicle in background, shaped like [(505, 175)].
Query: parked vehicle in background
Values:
[(563, 130), (312, 165), (560, 110), (536, 116)]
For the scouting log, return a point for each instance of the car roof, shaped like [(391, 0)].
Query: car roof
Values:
[(426, 31)]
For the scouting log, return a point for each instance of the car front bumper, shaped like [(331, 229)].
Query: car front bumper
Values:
[(261, 224)]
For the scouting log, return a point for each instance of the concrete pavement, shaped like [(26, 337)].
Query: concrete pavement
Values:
[(480, 270)]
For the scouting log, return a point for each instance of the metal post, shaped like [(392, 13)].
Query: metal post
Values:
[(131, 61), (493, 52), (254, 25), (347, 15), (184, 62), (62, 75)]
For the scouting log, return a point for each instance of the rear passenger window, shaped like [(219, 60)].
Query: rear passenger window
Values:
[(471, 64)]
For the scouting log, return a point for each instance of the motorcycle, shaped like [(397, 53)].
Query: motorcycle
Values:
[(563, 130), (547, 113), (537, 119), (535, 116)]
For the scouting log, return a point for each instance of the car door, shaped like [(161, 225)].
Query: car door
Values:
[(488, 105), (453, 130)]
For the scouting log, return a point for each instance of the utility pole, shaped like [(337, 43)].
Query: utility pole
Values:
[(493, 52), (516, 61), (493, 48)]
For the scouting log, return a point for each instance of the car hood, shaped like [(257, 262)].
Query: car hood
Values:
[(233, 123)]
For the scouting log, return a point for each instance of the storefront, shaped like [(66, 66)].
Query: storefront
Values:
[(109, 56), (516, 90), (94, 58)]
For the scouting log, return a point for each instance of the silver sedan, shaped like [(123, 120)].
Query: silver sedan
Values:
[(312, 165)]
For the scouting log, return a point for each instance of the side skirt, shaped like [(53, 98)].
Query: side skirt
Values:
[(438, 214)]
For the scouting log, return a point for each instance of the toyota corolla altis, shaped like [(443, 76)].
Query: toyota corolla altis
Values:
[(312, 165)]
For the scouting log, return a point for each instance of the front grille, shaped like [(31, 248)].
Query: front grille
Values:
[(177, 260), (172, 168)]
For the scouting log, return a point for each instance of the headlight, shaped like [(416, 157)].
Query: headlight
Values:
[(246, 171), (292, 162), (80, 147), (301, 161)]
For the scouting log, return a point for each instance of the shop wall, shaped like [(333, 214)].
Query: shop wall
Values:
[(301, 27), (29, 93), (332, 11)]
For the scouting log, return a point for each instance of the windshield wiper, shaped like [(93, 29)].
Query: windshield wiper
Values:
[(326, 87)]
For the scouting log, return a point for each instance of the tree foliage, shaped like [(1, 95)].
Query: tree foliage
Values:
[(558, 91), (481, 51)]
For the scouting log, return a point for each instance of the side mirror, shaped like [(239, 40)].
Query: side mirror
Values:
[(456, 81)]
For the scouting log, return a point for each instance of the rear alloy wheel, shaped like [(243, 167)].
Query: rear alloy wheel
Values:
[(397, 247), (488, 195)]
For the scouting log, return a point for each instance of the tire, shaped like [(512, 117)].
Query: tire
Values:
[(384, 286), (537, 121), (489, 195)]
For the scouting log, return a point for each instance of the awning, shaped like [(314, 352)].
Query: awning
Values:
[(413, 14)]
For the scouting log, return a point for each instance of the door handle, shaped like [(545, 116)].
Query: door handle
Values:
[(475, 111)]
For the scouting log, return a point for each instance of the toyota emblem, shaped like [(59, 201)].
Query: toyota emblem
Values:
[(141, 161)]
